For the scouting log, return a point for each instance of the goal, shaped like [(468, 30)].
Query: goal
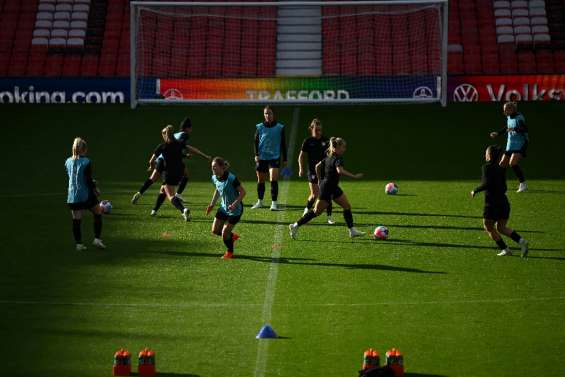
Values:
[(342, 52)]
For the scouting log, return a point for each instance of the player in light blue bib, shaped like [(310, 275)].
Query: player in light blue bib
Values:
[(231, 192), (270, 146), (516, 142), (82, 193)]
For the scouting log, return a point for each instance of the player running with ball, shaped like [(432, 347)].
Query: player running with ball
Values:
[(230, 190), (328, 171), (270, 144), (497, 208), (517, 142), (82, 193), (315, 147)]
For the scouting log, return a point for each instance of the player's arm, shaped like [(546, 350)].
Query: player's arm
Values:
[(301, 164), (342, 171), (284, 149), (521, 127), (484, 182), (151, 163), (197, 151), (239, 187), (256, 145), (213, 202), (502, 131), (318, 169), (90, 182)]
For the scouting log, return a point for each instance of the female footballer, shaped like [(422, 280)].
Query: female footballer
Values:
[(270, 144), (230, 190), (328, 171), (497, 208), (517, 142), (173, 152), (157, 164), (315, 147), (82, 193)]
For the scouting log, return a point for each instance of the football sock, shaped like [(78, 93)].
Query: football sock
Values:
[(182, 184), (229, 243), (261, 190), (501, 244), (148, 182), (274, 190), (177, 203), (307, 217), (76, 231), (310, 203), (97, 226), (330, 209), (515, 237), (159, 202), (519, 173), (348, 217)]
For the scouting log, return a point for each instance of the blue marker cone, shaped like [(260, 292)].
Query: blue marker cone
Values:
[(266, 332)]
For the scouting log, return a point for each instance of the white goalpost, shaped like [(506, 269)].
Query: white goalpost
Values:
[(293, 52)]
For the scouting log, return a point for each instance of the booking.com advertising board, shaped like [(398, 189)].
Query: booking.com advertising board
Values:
[(117, 91)]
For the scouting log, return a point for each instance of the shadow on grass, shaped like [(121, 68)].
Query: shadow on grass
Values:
[(557, 192), (307, 262), (422, 375), (169, 374)]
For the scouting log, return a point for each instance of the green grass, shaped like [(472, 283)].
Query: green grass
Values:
[(435, 289)]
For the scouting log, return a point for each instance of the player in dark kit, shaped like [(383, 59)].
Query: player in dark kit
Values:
[(497, 208), (157, 164), (315, 147), (173, 152), (517, 142), (328, 171), (82, 193), (231, 192), (270, 146)]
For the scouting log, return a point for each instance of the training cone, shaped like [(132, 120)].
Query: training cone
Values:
[(266, 332)]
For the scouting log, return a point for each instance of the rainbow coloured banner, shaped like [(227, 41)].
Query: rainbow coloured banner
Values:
[(310, 89)]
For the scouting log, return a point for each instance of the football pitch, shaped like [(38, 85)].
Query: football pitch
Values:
[(435, 289)]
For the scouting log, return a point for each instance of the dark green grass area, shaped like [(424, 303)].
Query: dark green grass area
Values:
[(435, 289)]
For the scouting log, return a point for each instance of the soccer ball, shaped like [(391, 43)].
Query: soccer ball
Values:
[(391, 188), (381, 232), (106, 206)]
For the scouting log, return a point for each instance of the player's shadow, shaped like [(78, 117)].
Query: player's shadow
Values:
[(422, 375), (169, 374), (418, 214), (447, 227), (556, 192)]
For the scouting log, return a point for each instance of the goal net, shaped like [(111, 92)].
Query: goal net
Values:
[(288, 52)]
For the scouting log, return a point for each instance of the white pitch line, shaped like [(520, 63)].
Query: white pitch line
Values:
[(263, 346), (188, 305)]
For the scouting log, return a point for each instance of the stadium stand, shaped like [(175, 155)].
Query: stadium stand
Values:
[(91, 38)]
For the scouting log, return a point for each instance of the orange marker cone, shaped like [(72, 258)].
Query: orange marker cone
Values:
[(122, 363)]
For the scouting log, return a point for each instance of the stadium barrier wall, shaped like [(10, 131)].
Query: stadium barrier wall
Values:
[(117, 91)]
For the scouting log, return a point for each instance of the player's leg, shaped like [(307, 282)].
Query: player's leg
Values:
[(320, 206), (159, 201), (261, 172), (97, 213), (228, 238), (274, 178), (341, 199), (175, 201), (314, 191), (217, 225), (503, 229), (145, 186), (77, 233), (490, 228), (505, 160), (514, 164), (183, 182)]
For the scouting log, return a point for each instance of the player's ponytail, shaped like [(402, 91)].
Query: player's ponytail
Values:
[(221, 162), (495, 152), (79, 148), (168, 134), (315, 123), (186, 123), (335, 142)]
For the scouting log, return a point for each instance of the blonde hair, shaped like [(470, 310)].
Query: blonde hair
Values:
[(79, 148), (168, 133), (511, 105), (335, 142), (315, 123), (220, 161)]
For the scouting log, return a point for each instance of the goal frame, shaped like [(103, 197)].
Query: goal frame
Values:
[(135, 7)]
